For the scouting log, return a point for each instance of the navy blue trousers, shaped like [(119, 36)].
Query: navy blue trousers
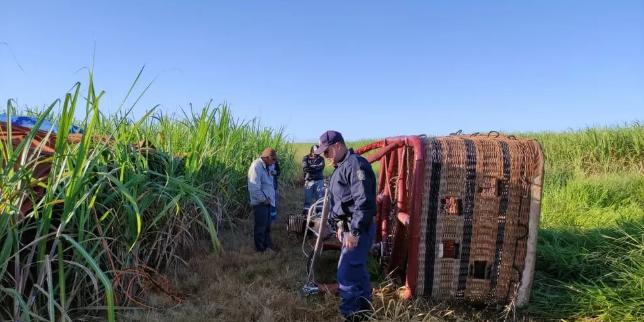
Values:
[(262, 233), (354, 285)]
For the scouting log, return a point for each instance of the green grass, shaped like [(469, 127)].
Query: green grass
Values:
[(590, 260), (591, 245), (302, 149), (131, 197)]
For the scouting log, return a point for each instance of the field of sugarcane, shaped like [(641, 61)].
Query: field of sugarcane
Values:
[(131, 200), (121, 203), (590, 260)]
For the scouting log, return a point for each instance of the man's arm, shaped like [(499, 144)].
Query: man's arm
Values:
[(318, 164), (255, 184), (305, 165), (363, 193), (335, 211), (334, 216)]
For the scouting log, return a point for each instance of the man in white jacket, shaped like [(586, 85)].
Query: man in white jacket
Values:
[(262, 197)]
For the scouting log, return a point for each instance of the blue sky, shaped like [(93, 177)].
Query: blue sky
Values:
[(366, 68)]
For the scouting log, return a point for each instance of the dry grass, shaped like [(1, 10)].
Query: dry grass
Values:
[(242, 285)]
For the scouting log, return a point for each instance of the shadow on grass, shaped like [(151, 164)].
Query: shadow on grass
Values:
[(595, 273)]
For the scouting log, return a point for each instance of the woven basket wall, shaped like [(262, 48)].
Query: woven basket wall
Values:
[(481, 197)]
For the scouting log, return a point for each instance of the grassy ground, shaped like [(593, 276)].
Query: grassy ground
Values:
[(242, 285), (590, 254), (590, 262)]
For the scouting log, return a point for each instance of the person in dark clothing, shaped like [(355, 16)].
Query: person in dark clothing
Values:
[(313, 167), (353, 208), (275, 171)]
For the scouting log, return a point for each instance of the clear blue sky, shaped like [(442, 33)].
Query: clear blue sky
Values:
[(366, 68)]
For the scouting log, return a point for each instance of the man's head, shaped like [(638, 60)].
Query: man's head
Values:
[(269, 156), (332, 146)]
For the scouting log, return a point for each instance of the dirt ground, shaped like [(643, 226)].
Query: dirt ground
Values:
[(243, 285)]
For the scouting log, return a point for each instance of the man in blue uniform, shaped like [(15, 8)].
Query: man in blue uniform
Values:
[(353, 207)]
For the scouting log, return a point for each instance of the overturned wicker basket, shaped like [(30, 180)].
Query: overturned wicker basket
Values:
[(458, 215)]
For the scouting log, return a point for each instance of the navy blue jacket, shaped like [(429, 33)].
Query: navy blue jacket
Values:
[(353, 192), (313, 167)]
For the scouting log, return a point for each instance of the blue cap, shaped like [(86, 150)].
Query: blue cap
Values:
[(327, 139)]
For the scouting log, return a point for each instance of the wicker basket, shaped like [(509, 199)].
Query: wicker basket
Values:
[(480, 211)]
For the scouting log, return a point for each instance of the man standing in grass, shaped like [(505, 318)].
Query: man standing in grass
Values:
[(262, 197), (313, 168), (275, 171), (353, 206)]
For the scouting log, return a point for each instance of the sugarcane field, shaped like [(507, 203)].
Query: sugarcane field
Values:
[(332, 161)]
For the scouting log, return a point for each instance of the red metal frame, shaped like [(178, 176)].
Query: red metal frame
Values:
[(392, 154)]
